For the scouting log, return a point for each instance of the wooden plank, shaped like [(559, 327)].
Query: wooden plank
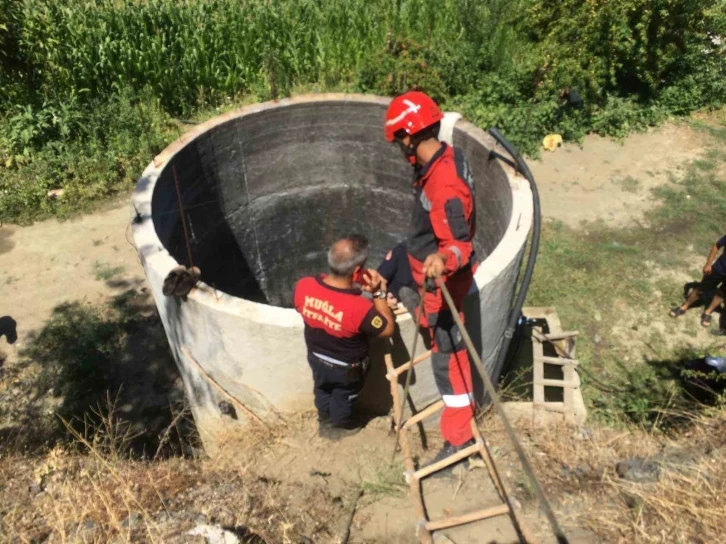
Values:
[(451, 459), (537, 371), (560, 335), (569, 392), (394, 387), (565, 347), (556, 360), (558, 383), (467, 518), (405, 366), (423, 414)]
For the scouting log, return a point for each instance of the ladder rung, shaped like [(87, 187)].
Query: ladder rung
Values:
[(451, 459), (467, 518), (556, 360), (556, 383), (404, 367), (423, 414), (560, 335)]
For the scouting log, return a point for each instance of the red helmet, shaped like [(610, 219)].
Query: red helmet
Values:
[(412, 112)]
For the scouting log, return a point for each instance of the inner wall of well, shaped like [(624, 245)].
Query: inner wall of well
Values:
[(265, 194)]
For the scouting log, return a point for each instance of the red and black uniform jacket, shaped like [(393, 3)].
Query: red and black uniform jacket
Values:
[(338, 322), (444, 212)]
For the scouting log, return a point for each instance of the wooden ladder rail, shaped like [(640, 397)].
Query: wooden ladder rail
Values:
[(424, 526)]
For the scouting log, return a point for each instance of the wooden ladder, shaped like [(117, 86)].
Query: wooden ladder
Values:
[(564, 343), (425, 526)]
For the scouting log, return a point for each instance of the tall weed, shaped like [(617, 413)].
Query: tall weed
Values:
[(98, 150)]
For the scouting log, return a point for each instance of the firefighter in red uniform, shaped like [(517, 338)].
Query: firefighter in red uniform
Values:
[(439, 243), (338, 323)]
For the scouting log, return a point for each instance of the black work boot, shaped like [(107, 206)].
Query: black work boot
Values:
[(336, 432), (447, 451)]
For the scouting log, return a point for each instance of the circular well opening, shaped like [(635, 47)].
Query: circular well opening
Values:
[(268, 189)]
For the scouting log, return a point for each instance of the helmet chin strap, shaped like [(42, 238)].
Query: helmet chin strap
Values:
[(410, 151)]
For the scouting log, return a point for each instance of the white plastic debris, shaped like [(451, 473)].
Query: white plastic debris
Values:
[(214, 534)]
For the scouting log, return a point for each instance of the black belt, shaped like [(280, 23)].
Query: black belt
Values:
[(341, 364)]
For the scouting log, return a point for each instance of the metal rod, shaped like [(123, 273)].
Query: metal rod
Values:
[(221, 389), (183, 216)]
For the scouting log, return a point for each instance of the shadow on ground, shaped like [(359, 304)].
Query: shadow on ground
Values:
[(699, 383), (107, 371), (679, 388)]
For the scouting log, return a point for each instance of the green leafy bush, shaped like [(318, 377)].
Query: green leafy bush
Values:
[(100, 150)]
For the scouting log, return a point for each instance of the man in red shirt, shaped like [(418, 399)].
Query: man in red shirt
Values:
[(440, 243), (338, 323)]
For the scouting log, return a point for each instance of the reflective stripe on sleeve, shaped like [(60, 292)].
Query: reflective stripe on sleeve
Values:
[(457, 252), (458, 401)]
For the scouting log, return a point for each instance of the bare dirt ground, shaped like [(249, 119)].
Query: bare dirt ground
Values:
[(607, 181), (611, 181), (90, 258), (305, 479), (86, 259)]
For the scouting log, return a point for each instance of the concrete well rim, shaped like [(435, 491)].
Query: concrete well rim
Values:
[(153, 253)]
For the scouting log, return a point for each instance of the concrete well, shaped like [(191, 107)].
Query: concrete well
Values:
[(266, 189)]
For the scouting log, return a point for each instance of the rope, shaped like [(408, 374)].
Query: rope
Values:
[(494, 397)]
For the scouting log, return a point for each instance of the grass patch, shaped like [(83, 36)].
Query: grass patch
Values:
[(387, 480), (629, 184), (106, 272)]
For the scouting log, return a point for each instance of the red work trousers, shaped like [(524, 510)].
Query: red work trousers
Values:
[(449, 358)]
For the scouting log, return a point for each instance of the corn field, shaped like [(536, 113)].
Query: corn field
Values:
[(73, 72), (183, 50)]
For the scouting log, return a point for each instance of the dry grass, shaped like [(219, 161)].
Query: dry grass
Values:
[(578, 472), (100, 494), (93, 492)]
